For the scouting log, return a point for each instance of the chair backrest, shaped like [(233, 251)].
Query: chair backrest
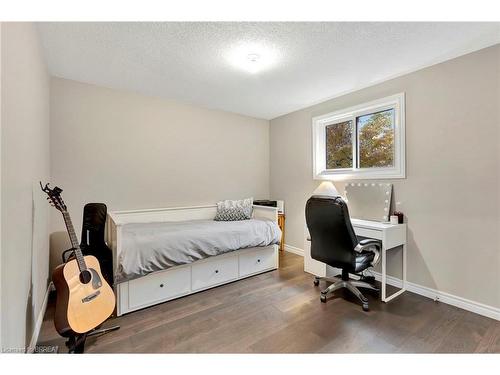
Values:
[(94, 222), (332, 236)]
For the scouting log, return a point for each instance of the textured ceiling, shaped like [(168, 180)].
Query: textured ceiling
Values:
[(311, 62)]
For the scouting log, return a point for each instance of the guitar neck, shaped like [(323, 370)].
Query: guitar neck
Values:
[(74, 241)]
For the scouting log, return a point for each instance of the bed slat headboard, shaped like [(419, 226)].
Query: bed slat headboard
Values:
[(154, 215), (163, 214)]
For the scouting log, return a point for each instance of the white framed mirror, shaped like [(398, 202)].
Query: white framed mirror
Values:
[(369, 201)]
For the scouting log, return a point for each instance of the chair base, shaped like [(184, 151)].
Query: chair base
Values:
[(351, 285)]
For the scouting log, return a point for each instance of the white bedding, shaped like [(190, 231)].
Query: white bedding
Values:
[(150, 247)]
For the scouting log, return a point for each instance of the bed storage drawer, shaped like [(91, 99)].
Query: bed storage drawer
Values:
[(159, 286), (257, 261), (214, 271)]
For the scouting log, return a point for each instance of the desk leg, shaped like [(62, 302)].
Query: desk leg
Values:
[(384, 272), (384, 277), (404, 267)]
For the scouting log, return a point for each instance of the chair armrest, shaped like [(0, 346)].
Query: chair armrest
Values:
[(372, 245)]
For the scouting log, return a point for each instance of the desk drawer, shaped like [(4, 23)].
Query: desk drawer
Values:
[(215, 271), (368, 233), (257, 261), (159, 286)]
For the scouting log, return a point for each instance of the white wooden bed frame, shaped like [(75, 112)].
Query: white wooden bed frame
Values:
[(161, 286)]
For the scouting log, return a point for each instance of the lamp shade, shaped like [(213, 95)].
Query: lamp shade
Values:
[(326, 189)]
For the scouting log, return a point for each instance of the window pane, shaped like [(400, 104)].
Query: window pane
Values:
[(339, 145), (376, 139)]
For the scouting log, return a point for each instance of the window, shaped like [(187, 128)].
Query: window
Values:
[(375, 139), (366, 141), (339, 145)]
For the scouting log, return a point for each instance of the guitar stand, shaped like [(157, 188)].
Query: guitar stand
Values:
[(76, 343)]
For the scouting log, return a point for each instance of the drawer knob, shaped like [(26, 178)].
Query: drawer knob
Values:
[(258, 260), (216, 271), (161, 285)]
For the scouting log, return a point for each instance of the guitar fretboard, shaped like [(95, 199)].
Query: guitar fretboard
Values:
[(74, 241)]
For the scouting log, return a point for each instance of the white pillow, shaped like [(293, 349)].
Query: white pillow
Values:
[(232, 210)]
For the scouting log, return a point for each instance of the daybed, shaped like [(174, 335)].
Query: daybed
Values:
[(162, 254)]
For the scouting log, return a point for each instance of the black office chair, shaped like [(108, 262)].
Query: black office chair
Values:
[(334, 242)]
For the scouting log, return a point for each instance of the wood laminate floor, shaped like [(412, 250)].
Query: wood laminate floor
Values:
[(280, 312)]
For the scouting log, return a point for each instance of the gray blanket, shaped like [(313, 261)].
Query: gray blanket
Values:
[(151, 247)]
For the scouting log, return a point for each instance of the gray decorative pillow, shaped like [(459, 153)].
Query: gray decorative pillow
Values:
[(234, 210)]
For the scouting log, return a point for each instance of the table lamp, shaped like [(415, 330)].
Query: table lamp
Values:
[(326, 189)]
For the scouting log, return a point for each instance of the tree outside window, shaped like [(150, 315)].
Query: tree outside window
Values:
[(339, 145), (375, 142), (376, 139)]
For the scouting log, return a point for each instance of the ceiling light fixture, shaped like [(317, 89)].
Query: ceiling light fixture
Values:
[(252, 57)]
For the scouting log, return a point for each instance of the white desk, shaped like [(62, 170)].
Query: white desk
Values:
[(391, 235)]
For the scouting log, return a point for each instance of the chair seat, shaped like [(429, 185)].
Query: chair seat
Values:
[(363, 260)]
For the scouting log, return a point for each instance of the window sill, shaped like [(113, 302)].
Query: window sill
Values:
[(361, 175)]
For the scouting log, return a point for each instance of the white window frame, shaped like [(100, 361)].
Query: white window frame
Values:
[(319, 124)]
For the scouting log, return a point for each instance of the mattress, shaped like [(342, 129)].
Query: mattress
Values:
[(150, 247)]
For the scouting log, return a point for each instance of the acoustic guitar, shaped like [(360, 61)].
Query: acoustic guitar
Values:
[(84, 298)]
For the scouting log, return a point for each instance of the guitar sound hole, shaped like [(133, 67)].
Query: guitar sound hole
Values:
[(85, 277)]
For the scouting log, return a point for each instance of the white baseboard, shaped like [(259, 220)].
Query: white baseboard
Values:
[(39, 320), (293, 249), (450, 299)]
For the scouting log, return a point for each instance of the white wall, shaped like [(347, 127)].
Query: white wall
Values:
[(451, 193), (24, 161), (0, 187), (133, 151)]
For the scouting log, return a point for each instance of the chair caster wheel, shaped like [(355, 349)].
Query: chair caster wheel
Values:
[(316, 282), (322, 299), (366, 307)]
